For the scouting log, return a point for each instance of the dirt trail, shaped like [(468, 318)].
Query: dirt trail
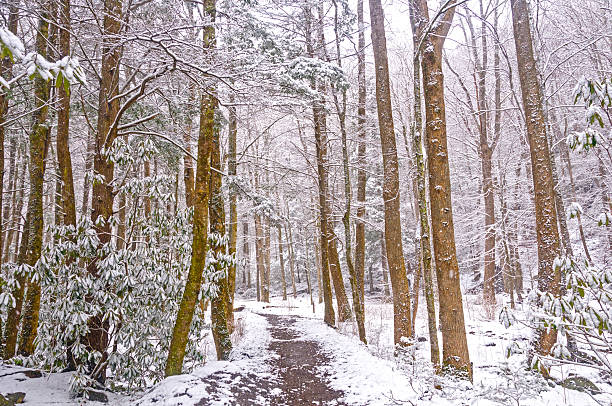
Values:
[(294, 380)]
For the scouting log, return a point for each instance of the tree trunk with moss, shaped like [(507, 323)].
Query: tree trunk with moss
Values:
[(219, 304), (39, 141), (233, 214), (549, 278), (208, 105), (320, 127), (63, 120), (421, 195)]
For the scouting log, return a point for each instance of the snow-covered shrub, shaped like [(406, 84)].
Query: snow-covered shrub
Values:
[(66, 71), (582, 317), (596, 98), (136, 286)]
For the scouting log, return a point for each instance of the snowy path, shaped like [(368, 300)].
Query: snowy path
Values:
[(296, 378)]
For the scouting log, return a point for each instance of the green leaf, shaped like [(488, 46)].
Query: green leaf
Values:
[(59, 79)]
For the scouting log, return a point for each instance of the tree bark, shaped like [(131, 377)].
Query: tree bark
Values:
[(549, 278), (344, 308), (421, 196), (233, 211), (220, 306), (384, 265), (188, 175), (391, 194), (6, 67), (63, 120), (259, 254), (361, 162), (246, 253), (282, 261), (208, 105), (39, 142), (291, 260), (320, 128), (86, 181), (345, 313), (455, 355), (265, 282)]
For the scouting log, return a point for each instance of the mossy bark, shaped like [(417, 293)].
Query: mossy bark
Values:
[(208, 105), (421, 194), (320, 124), (39, 141), (233, 206), (220, 307)]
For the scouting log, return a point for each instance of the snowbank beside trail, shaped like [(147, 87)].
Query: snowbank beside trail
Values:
[(250, 354), (49, 389), (364, 378)]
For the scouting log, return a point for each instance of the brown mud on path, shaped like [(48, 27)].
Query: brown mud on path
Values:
[(296, 377)]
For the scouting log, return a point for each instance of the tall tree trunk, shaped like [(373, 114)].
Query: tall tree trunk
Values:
[(307, 271), (6, 67), (86, 179), (455, 356), (39, 142), (320, 128), (282, 261), (421, 197), (233, 211), (345, 313), (220, 303), (549, 278), (17, 208), (557, 136), (102, 191), (265, 282), (208, 105), (10, 209), (291, 260), (13, 318), (259, 256), (361, 173), (246, 253), (63, 119), (391, 194)]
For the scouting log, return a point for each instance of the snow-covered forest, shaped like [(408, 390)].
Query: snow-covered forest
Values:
[(306, 202)]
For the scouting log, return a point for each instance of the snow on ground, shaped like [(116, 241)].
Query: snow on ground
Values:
[(250, 354), (367, 375), (371, 375), (50, 389)]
